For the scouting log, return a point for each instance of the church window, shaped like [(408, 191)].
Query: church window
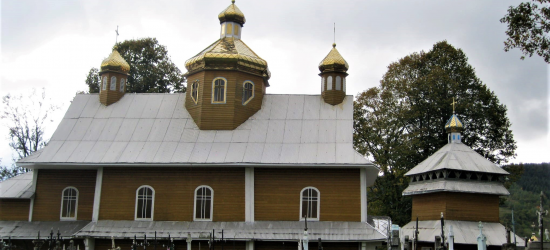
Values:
[(236, 30), (104, 83), (248, 91), (338, 83), (344, 85), (322, 84), (329, 83), (309, 206), (204, 201), (69, 203), (195, 91), (229, 29), (219, 90), (122, 83), (145, 202), (113, 83)]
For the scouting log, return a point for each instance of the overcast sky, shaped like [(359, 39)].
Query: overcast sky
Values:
[(54, 43)]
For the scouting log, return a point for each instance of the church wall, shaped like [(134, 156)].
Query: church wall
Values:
[(14, 209), (277, 193), (49, 187), (174, 192), (456, 206)]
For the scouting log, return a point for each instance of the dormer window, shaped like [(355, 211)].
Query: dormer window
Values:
[(113, 83), (195, 91), (219, 87), (122, 83), (248, 91)]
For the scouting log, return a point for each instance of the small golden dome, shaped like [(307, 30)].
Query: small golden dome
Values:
[(232, 14), (115, 62), (454, 125), (333, 62)]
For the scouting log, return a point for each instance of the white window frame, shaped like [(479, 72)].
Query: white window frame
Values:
[(63, 200), (214, 90), (112, 86), (122, 84), (193, 88), (244, 89), (318, 204), (104, 83), (211, 204), (329, 83), (152, 204)]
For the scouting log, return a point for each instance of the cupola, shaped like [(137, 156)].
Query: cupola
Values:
[(114, 76), (333, 77), (227, 80), (454, 127)]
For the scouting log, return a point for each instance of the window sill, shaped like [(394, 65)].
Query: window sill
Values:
[(67, 219), (202, 219), (143, 219), (310, 219)]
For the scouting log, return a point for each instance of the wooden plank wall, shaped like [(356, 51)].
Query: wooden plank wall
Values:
[(14, 209), (277, 193), (49, 187), (174, 192), (456, 206)]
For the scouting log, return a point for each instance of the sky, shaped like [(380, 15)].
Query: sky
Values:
[(52, 44)]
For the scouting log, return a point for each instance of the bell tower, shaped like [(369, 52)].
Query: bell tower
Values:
[(114, 76), (333, 77)]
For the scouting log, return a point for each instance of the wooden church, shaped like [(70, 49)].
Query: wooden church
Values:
[(225, 160), (462, 186)]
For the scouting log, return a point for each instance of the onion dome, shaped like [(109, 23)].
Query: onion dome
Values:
[(333, 62), (453, 125), (115, 62), (232, 14)]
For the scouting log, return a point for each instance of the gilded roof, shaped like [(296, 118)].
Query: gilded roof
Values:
[(454, 124), (228, 53), (333, 62), (232, 14), (115, 62)]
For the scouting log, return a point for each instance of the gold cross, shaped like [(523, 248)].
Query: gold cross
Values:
[(453, 103)]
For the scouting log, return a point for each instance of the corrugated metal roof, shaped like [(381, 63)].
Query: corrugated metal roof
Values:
[(18, 187), (462, 186), (29, 230), (456, 156), (259, 230), (289, 129), (465, 232)]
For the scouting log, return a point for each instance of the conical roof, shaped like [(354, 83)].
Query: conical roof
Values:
[(232, 14), (115, 62), (333, 62), (454, 124)]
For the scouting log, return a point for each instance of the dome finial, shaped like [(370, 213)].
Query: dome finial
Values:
[(233, 1), (453, 103), (454, 125), (334, 45)]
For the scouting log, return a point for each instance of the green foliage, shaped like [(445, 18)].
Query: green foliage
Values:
[(401, 122), (528, 28), (92, 80)]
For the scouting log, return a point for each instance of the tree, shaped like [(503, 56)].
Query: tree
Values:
[(26, 118), (528, 28), (401, 122), (151, 70)]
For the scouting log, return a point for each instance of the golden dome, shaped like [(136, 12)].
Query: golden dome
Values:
[(228, 53), (454, 124), (232, 14), (115, 62), (333, 62)]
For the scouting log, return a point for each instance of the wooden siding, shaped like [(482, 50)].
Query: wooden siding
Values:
[(108, 96), (456, 206), (277, 193), (229, 115), (174, 192), (49, 187), (333, 96), (14, 209)]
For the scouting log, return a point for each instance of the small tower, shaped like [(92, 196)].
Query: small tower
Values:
[(113, 75), (454, 127), (333, 77)]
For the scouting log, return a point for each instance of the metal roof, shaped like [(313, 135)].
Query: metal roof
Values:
[(456, 156), (259, 230), (29, 230), (157, 129), (465, 232), (462, 186), (18, 187)]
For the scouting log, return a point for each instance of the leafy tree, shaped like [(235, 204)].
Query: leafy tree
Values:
[(528, 28), (151, 70), (26, 118), (401, 122)]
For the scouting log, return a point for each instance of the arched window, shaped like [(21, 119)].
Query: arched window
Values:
[(69, 203), (195, 91), (145, 203), (338, 83), (248, 91), (219, 87), (204, 203), (113, 83), (329, 83), (122, 83), (104, 83), (309, 206)]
